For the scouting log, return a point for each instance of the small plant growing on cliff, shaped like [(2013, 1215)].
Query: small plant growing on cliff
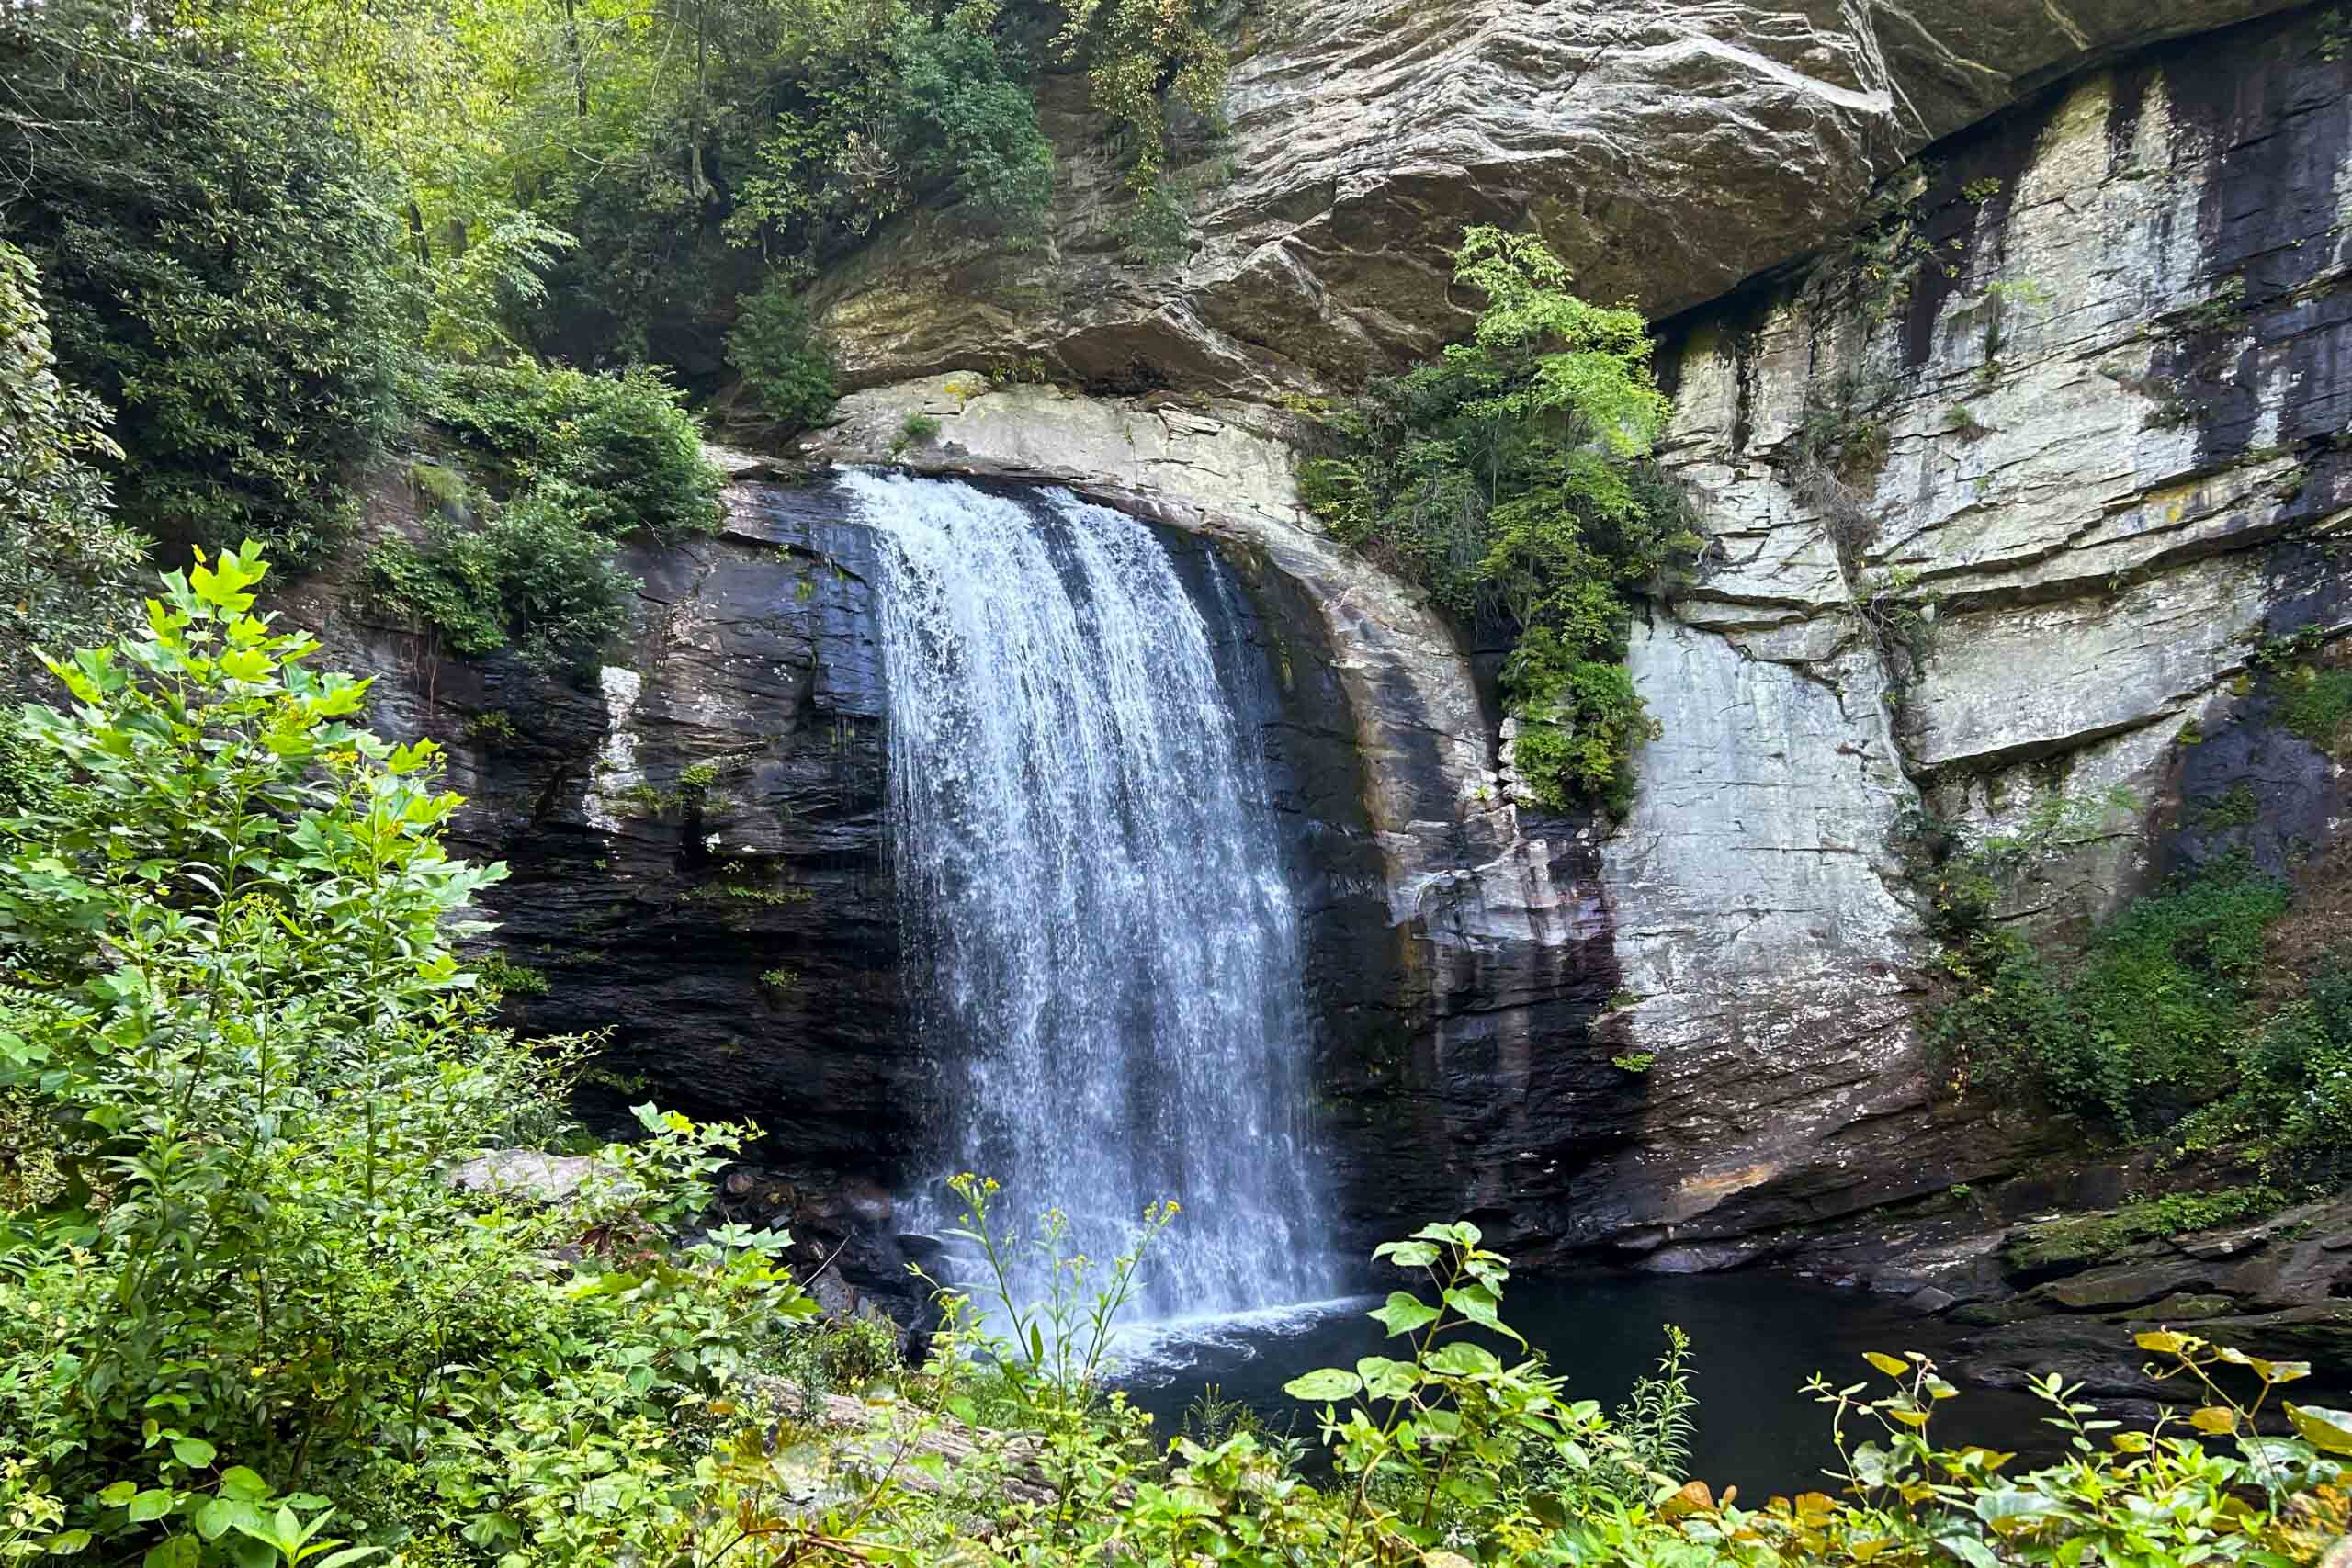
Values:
[(919, 430), (785, 365), (507, 978), (1514, 478), (1636, 1062)]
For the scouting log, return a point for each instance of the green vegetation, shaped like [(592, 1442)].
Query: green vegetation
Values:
[(789, 372), (2316, 703), (2291, 1109), (1512, 477), (214, 256), (1460, 1448), (919, 430), (272, 235), (2137, 1033), (531, 577), (2079, 1241), (623, 443), (66, 567), (507, 978), (586, 461), (246, 1307)]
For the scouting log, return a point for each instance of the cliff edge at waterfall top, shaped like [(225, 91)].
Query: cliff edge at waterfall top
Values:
[(1086, 781)]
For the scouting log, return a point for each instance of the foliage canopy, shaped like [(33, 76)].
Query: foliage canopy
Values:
[(1512, 477)]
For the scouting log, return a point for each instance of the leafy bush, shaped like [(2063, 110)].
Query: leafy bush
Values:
[(623, 444), (213, 250), (66, 568), (964, 120), (230, 995), (1460, 1448), (787, 369), (1137, 54), (2138, 1034), (2291, 1106), (1510, 478), (535, 577)]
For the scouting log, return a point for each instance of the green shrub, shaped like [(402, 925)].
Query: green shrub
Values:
[(214, 253), (535, 577), (623, 444), (2291, 1108), (1512, 477), (1138, 55), (67, 571), (233, 1000), (966, 122), (918, 430), (787, 369), (2142, 1029)]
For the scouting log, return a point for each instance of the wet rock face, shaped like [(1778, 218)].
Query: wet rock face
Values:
[(1667, 150), (738, 938)]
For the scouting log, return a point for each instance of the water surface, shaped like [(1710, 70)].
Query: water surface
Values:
[(1756, 1337)]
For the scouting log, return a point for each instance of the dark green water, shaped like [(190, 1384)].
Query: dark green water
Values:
[(1756, 1337)]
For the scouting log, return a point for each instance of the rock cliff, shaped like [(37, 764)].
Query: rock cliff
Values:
[(1667, 150), (2010, 461)]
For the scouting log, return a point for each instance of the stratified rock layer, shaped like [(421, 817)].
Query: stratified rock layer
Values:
[(1667, 150), (2085, 430)]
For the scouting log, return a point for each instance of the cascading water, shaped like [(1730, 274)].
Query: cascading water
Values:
[(1105, 947)]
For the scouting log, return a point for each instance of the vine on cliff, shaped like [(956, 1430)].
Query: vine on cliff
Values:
[(1514, 478)]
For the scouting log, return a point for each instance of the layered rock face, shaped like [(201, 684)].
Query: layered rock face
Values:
[(2005, 492), (1667, 150), (2084, 432)]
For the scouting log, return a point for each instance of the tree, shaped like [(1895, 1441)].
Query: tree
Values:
[(213, 253)]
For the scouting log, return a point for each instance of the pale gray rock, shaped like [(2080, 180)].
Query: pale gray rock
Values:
[(534, 1176), (1667, 150)]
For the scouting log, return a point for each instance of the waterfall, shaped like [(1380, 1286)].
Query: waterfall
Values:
[(1104, 943)]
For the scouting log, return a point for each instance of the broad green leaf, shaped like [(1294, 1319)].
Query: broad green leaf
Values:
[(121, 1491), (1324, 1386), (1403, 1314), (238, 1482), (1477, 1303), (1385, 1379), (174, 1552), (193, 1452), (1406, 1254), (1462, 1359), (2008, 1503), (1890, 1365), (2215, 1419), (149, 1505), (2330, 1431)]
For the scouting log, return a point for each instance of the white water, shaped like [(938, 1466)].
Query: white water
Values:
[(1105, 948)]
